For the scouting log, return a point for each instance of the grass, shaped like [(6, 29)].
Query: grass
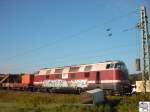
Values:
[(12, 101), (127, 103)]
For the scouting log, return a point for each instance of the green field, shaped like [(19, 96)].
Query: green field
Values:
[(12, 101)]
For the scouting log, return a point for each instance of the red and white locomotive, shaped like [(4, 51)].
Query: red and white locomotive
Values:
[(111, 76)]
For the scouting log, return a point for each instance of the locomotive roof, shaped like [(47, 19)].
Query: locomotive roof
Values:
[(78, 68), (104, 62)]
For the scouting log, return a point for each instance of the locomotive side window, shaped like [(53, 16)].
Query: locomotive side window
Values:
[(87, 75), (48, 72), (58, 70), (88, 68), (58, 76), (73, 76), (47, 76), (74, 69)]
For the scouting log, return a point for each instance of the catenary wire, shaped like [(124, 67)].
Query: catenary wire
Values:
[(69, 37)]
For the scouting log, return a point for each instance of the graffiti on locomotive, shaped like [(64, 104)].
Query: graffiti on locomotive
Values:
[(65, 83)]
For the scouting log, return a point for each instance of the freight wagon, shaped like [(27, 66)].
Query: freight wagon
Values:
[(17, 82)]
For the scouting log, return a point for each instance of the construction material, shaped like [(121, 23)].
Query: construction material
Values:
[(142, 86), (94, 96)]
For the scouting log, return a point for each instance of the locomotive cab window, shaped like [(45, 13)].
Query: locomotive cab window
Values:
[(108, 66), (111, 65), (118, 65)]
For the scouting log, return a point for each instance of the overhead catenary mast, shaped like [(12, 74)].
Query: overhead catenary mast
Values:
[(143, 26)]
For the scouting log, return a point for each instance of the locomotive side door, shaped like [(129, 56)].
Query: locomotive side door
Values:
[(98, 78)]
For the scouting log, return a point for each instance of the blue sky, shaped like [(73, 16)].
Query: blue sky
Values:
[(46, 33)]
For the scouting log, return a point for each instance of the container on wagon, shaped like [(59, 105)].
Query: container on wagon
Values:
[(27, 79)]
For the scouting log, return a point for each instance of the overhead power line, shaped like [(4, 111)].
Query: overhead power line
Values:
[(88, 57), (70, 36)]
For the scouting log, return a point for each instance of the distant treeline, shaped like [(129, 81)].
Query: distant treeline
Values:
[(136, 77)]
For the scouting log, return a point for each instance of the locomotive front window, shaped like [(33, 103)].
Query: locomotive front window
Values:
[(88, 68), (120, 66)]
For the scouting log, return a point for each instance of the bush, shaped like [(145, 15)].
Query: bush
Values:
[(43, 102)]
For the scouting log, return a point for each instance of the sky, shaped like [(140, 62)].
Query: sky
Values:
[(37, 34)]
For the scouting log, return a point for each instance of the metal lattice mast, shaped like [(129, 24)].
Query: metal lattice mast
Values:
[(143, 25)]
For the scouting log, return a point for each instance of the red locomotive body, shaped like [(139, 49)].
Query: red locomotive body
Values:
[(111, 76)]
